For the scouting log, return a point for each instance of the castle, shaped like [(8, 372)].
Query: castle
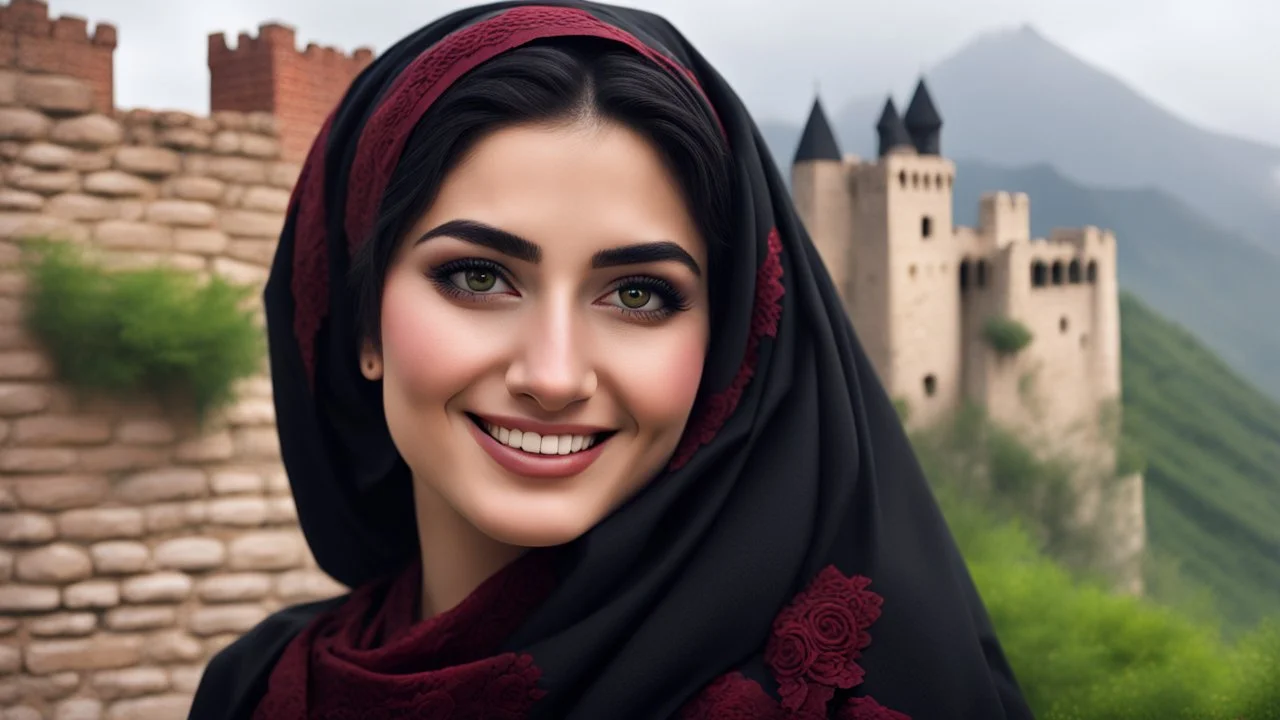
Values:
[(1027, 328)]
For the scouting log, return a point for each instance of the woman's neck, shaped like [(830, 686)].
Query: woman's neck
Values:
[(456, 557)]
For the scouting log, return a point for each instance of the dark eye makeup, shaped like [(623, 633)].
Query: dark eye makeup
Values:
[(482, 280)]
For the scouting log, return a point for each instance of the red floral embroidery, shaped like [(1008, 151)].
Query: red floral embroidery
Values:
[(733, 697), (813, 650), (866, 708), (817, 639), (765, 314)]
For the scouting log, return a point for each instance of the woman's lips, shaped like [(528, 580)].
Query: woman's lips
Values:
[(534, 465)]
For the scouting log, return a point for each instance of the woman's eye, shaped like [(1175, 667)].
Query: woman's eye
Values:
[(638, 298), (477, 281)]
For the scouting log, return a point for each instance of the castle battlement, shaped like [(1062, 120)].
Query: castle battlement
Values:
[(30, 18), (273, 37)]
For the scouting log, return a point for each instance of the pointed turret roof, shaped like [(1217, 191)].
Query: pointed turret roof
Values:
[(921, 113), (818, 141), (892, 132)]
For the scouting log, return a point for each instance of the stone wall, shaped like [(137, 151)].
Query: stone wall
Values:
[(133, 545), (32, 41)]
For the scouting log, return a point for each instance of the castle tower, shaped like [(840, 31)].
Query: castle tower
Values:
[(820, 189), (31, 41), (905, 299), (269, 74)]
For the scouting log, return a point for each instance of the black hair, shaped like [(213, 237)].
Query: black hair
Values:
[(561, 80)]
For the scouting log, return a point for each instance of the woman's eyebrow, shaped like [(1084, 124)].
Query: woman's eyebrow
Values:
[(513, 245)]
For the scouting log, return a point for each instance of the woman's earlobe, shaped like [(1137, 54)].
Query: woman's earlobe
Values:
[(370, 362)]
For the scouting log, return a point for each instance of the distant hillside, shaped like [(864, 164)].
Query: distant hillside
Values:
[(1212, 444), (1015, 98), (1220, 286)]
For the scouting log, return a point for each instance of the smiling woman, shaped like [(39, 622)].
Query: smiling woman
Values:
[(566, 396)]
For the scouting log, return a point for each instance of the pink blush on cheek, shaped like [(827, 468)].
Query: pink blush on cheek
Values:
[(431, 346), (661, 379)]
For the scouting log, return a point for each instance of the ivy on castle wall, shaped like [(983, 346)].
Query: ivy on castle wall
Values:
[(1006, 335)]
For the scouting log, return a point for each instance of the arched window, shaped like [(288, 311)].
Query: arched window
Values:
[(1057, 272), (1093, 272), (1039, 274), (926, 227), (1073, 272), (964, 276), (902, 178), (982, 273), (930, 385), (1063, 325)]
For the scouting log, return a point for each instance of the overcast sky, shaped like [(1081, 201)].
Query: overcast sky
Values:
[(1216, 62)]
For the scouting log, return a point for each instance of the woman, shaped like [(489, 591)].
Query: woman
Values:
[(567, 397)]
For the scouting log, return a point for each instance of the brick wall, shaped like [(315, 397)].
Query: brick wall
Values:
[(132, 545), (30, 40), (267, 73)]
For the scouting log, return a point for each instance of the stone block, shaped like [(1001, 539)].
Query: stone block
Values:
[(236, 170), (25, 365), (238, 511), (20, 200), (219, 619), (211, 447), (91, 594), (238, 272), (57, 563), (46, 430), (120, 557), (23, 399), (92, 524), (67, 624), (55, 94), (45, 182), (266, 550), (88, 131), (61, 492), (101, 652), (258, 146), (234, 587), (27, 598), (47, 156), (158, 587), (196, 187), (257, 252), (235, 482), (146, 432), (186, 213), (148, 161), (78, 708), (116, 184), (170, 646), (130, 682), (184, 139), (298, 586), (162, 485), (79, 206), (23, 124), (172, 706), (26, 528), (251, 223), (226, 142), (283, 174), (36, 460), (121, 458), (129, 618), (190, 553)]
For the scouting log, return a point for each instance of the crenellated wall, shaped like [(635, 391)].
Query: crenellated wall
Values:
[(32, 41), (133, 545)]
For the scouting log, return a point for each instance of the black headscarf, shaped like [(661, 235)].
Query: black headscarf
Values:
[(795, 459)]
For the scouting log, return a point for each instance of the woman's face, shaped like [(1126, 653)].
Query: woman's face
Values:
[(544, 327)]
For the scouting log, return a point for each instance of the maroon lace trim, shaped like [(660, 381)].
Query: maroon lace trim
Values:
[(370, 656), (765, 315), (385, 133), (813, 651)]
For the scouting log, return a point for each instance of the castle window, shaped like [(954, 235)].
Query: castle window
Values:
[(915, 180), (982, 273), (1093, 271), (964, 276), (1039, 274), (926, 226), (926, 182), (902, 178), (1057, 273), (912, 271), (938, 180), (1062, 324), (1073, 272), (930, 385)]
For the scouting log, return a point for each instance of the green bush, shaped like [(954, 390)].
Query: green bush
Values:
[(160, 332), (1079, 651), (1006, 335)]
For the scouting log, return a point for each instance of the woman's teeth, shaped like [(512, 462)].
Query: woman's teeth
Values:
[(532, 442)]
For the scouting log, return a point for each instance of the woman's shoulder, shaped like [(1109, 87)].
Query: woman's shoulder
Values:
[(236, 676)]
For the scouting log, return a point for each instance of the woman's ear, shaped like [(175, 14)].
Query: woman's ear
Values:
[(370, 361)]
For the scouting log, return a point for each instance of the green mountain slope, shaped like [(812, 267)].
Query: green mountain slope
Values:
[(1212, 443)]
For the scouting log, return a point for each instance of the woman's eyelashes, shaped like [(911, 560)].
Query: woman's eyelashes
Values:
[(640, 297)]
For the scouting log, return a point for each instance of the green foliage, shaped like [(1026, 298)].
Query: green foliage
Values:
[(1006, 335), (157, 331), (1078, 651), (1212, 464)]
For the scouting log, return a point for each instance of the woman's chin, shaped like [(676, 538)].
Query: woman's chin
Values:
[(526, 527)]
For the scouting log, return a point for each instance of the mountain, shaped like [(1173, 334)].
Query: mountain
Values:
[(1216, 283), (1015, 98), (1212, 444)]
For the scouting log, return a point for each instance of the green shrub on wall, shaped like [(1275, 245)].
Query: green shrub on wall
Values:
[(1006, 335), (161, 332)]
